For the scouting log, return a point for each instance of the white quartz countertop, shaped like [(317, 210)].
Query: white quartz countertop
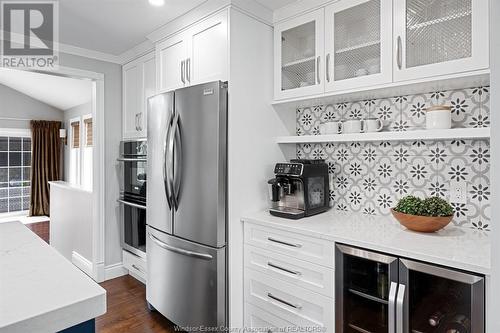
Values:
[(460, 248), (41, 291)]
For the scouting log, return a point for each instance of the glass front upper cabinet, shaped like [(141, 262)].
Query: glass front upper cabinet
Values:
[(298, 59), (358, 43), (440, 37)]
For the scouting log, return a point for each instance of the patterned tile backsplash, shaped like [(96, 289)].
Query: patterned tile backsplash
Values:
[(371, 177)]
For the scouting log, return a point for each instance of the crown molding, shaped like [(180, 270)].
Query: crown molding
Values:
[(136, 52)]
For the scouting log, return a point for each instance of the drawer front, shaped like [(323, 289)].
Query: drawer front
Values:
[(262, 321), (314, 277), (135, 265), (300, 306), (310, 249)]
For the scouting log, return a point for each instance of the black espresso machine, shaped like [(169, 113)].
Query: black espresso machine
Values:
[(300, 188)]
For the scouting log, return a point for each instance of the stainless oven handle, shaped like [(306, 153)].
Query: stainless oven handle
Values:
[(295, 306), (161, 244), (131, 204), (400, 308), (131, 159), (274, 240)]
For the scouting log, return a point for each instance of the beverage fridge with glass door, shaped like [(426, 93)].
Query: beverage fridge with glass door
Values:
[(380, 293)]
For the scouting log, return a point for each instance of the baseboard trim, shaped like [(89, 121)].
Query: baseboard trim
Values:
[(114, 271), (82, 263)]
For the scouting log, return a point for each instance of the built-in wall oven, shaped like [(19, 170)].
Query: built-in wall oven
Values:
[(133, 196)]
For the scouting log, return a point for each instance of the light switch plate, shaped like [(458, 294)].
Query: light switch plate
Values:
[(458, 192)]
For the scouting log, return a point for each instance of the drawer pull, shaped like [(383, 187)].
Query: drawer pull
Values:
[(295, 306), (137, 268), (283, 242), (270, 264)]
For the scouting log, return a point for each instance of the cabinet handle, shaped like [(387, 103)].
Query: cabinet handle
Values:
[(182, 72), (137, 268), (392, 306), (327, 65), (188, 70), (136, 122), (270, 264), (400, 308), (295, 306), (318, 79), (283, 242), (399, 54)]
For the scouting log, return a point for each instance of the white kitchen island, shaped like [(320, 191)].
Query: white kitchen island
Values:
[(41, 291)]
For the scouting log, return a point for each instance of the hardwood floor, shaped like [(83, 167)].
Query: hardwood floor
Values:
[(127, 310), (42, 229)]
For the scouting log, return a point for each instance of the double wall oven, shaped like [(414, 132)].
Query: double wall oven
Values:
[(133, 156)]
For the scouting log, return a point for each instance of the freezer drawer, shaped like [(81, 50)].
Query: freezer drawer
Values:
[(186, 281)]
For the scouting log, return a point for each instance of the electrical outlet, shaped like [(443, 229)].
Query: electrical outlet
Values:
[(458, 192)]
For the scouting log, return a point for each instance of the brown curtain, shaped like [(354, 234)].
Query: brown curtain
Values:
[(45, 163)]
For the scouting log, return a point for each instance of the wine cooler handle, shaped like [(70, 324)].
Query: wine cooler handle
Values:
[(400, 303), (392, 307)]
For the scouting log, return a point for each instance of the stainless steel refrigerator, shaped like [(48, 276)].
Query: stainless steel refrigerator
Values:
[(186, 205)]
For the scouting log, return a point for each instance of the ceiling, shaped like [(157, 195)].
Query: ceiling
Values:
[(115, 26), (275, 4), (59, 92)]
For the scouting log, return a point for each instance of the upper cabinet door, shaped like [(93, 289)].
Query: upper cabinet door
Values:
[(148, 89), (171, 56), (207, 56), (131, 99), (440, 37), (358, 44), (299, 49)]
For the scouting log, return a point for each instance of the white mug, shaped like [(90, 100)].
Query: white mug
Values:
[(438, 117), (352, 126), (372, 125), (332, 127)]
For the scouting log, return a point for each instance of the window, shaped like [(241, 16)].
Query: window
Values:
[(88, 132), (81, 151), (15, 170)]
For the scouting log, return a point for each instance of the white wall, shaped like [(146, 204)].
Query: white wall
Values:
[(252, 123), (113, 115), (493, 301), (14, 104), (71, 220)]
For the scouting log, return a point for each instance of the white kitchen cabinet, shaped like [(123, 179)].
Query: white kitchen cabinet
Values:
[(196, 55), (207, 51), (137, 266), (358, 44), (171, 56), (299, 56), (139, 83), (434, 38)]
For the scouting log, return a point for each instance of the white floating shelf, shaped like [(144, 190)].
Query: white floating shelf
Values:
[(357, 47), (298, 62), (455, 133)]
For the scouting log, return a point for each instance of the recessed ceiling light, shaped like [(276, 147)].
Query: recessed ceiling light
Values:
[(157, 3)]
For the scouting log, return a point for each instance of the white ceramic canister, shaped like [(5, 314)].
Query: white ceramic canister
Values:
[(438, 117)]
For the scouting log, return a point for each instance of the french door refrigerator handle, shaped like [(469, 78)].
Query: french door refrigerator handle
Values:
[(392, 307), (400, 302), (177, 170), (166, 156), (178, 250), (171, 149)]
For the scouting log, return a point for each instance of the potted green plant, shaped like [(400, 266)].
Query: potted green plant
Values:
[(423, 215)]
